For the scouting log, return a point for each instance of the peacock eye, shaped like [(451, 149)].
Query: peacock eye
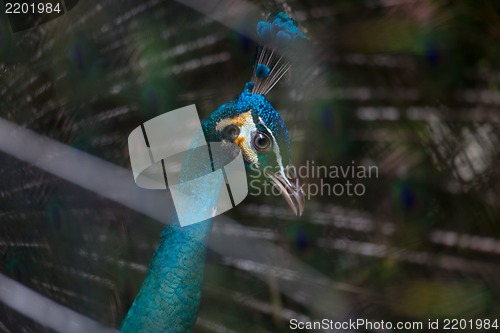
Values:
[(231, 132), (261, 141)]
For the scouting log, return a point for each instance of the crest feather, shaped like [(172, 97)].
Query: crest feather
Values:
[(278, 38)]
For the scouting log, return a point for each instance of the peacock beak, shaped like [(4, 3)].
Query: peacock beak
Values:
[(288, 183)]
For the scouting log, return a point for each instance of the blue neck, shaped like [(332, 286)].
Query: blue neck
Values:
[(169, 297), (170, 294)]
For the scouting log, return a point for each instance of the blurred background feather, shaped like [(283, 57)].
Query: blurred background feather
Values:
[(409, 86)]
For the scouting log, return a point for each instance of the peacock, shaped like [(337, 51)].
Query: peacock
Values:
[(249, 121), (169, 297)]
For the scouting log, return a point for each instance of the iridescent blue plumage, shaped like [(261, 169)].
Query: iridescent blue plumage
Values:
[(262, 71), (260, 108), (280, 31), (169, 297)]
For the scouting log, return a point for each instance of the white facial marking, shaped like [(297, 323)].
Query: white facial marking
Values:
[(276, 150), (247, 128)]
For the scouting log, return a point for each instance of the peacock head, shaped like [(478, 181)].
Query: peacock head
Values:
[(252, 123)]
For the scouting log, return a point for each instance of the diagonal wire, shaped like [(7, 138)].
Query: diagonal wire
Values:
[(45, 311)]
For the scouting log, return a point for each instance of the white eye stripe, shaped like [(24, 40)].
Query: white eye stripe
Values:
[(247, 129), (277, 151), (239, 121)]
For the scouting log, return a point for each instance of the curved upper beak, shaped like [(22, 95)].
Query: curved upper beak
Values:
[(288, 183)]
